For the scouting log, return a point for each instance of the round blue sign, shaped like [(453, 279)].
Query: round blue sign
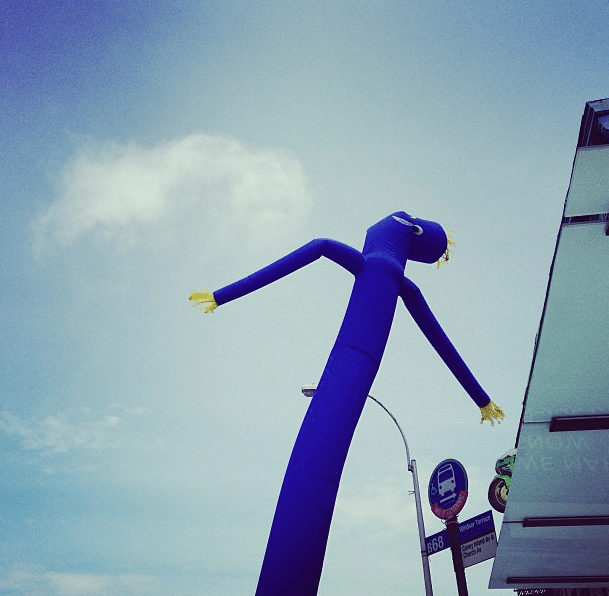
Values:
[(448, 489)]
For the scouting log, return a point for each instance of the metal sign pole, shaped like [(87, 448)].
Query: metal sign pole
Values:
[(424, 556), (447, 496), (452, 527)]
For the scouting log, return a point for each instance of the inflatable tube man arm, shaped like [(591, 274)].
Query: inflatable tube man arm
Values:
[(424, 318), (342, 254)]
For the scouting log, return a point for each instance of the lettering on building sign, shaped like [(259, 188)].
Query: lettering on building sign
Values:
[(552, 443), (571, 463), (562, 592)]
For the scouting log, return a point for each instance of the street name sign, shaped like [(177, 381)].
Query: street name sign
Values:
[(469, 530), (474, 527), (479, 549)]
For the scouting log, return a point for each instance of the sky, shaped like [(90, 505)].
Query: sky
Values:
[(153, 148)]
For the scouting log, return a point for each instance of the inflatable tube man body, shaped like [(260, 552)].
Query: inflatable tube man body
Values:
[(295, 550)]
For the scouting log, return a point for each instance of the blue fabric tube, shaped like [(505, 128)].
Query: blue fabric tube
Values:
[(427, 322), (295, 551), (342, 254)]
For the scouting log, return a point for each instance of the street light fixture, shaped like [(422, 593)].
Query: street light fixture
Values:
[(309, 391)]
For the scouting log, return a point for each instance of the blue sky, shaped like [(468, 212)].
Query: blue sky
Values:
[(153, 148)]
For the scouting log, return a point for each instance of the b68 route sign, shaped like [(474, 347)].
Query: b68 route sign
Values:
[(473, 533)]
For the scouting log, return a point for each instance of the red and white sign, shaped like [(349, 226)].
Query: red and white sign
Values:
[(452, 511)]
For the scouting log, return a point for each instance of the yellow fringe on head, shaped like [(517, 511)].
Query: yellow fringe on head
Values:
[(205, 300), (491, 412), (446, 256)]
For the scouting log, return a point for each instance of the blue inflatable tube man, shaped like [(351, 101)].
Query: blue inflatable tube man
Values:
[(297, 542)]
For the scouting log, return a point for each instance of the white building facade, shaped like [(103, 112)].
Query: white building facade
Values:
[(555, 531)]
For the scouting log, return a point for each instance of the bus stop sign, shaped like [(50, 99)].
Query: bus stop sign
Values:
[(448, 489)]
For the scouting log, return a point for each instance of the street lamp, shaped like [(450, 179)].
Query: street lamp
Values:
[(309, 391)]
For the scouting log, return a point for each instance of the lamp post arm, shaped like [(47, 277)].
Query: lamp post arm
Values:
[(399, 428), (309, 390), (412, 467)]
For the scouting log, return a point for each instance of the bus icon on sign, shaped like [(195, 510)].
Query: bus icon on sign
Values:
[(446, 480)]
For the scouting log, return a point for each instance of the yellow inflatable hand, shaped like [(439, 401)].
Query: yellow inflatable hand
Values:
[(205, 300), (491, 412), (446, 256)]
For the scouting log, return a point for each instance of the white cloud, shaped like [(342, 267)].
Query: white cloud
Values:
[(24, 580), (378, 506), (219, 184), (59, 434), (87, 584), (27, 580), (78, 584)]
